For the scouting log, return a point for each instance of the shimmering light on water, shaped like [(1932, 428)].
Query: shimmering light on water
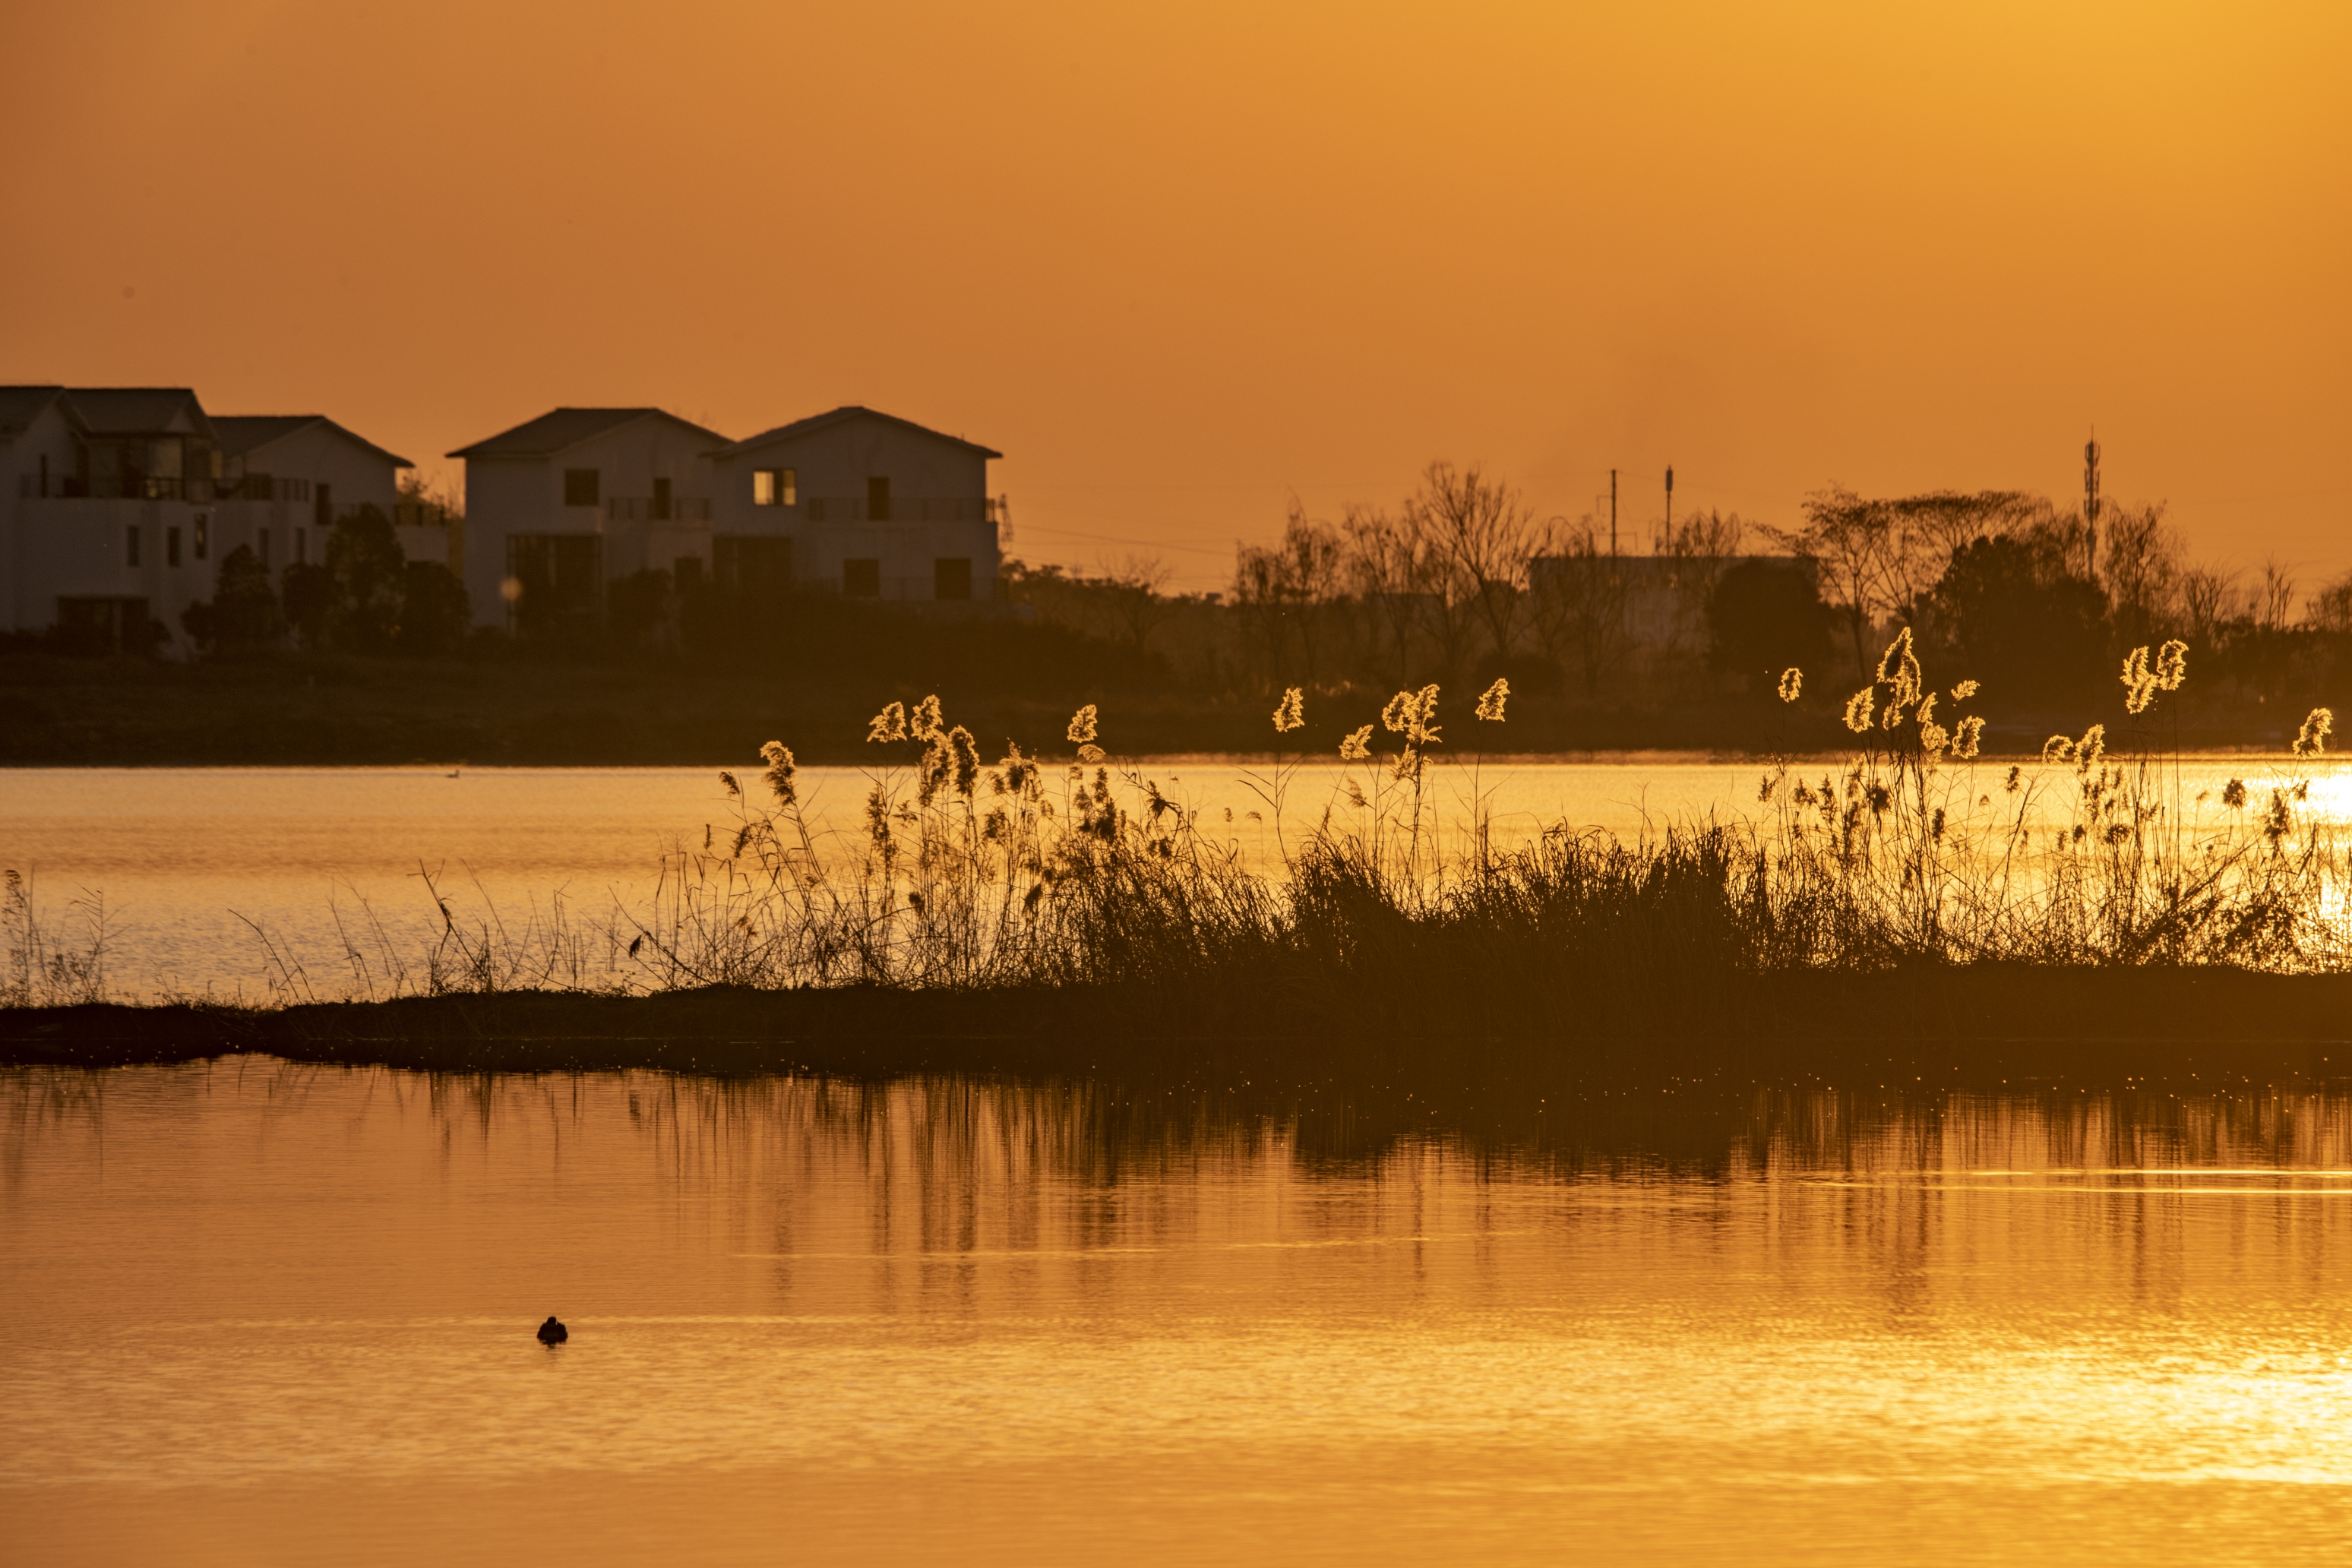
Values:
[(263, 1313)]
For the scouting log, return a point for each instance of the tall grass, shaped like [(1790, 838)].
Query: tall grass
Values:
[(1014, 874), (968, 874)]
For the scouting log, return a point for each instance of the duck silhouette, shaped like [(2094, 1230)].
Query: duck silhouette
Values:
[(553, 1332)]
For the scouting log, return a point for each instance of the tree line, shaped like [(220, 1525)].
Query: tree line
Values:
[(365, 596), (1462, 582)]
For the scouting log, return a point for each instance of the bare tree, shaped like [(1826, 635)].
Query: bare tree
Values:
[(2208, 596), (1576, 595), (2331, 607), (1382, 562), (1698, 550), (2141, 563), (2274, 596), (1136, 590), (1285, 589), (1851, 542), (1483, 534)]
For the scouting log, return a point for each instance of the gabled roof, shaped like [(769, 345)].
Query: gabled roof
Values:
[(134, 410), (241, 434), (841, 415), (20, 405), (553, 432)]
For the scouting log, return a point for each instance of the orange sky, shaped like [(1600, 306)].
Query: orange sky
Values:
[(1178, 262)]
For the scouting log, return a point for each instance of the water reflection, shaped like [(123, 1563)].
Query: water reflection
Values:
[(1662, 1320)]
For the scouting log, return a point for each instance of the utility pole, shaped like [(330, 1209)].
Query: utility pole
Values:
[(1612, 514), (2091, 509), (1670, 505)]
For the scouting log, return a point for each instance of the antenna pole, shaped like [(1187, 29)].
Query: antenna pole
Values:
[(1612, 514), (1670, 505), (2091, 509)]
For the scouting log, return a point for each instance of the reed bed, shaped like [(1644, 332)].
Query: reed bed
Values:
[(1384, 913), (1020, 876)]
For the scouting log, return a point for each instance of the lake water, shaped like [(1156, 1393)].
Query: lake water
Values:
[(194, 865), (254, 1312)]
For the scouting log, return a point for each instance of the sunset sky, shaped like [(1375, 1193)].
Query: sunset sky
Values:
[(1181, 262)]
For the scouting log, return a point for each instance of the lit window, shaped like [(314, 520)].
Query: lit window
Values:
[(775, 487), (204, 535)]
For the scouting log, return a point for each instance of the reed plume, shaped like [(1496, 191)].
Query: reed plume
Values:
[(780, 771), (1858, 709), (2312, 739), (1289, 713)]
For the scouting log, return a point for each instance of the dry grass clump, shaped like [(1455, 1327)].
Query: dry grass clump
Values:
[(1014, 874), (968, 874)]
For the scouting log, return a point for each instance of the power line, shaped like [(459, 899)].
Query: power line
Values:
[(1028, 528)]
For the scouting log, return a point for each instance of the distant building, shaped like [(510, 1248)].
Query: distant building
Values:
[(558, 507), (854, 501), (118, 503), (864, 503)]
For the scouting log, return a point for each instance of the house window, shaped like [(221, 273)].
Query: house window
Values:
[(324, 506), (775, 487), (861, 579), (878, 500), (131, 546), (204, 536), (952, 577), (660, 511), (171, 547), (301, 546), (579, 487)]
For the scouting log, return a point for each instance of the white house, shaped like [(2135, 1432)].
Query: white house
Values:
[(854, 501), (117, 505), (310, 470), (558, 507), (863, 502)]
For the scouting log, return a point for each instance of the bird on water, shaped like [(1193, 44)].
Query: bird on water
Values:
[(553, 1332)]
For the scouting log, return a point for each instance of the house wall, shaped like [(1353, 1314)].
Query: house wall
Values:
[(525, 495), (49, 436), (325, 456), (829, 525), (80, 549)]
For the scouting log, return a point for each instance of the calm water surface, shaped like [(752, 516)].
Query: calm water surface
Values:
[(258, 1312), (194, 865)]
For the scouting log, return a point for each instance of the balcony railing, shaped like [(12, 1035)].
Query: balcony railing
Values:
[(657, 509), (905, 509)]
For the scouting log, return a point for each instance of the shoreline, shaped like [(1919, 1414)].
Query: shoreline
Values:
[(1982, 1025)]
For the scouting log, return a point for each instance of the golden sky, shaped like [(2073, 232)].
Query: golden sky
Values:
[(1179, 262)]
